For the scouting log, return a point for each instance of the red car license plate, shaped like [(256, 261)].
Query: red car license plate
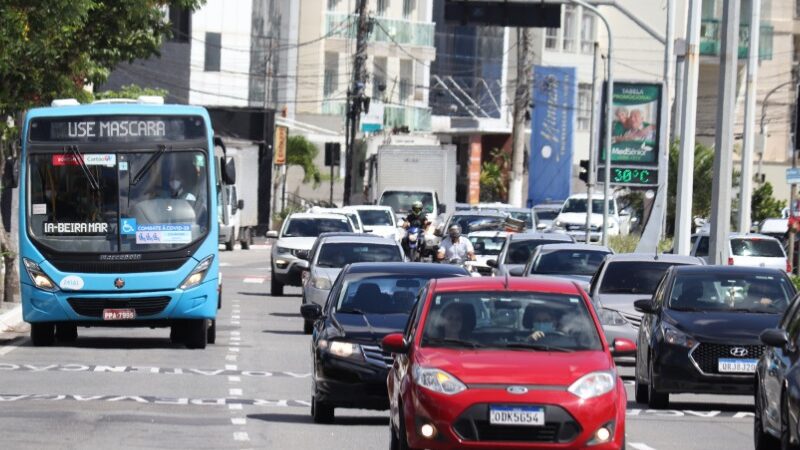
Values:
[(119, 314)]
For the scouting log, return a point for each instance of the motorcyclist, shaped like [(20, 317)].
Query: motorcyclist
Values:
[(455, 246), (415, 218)]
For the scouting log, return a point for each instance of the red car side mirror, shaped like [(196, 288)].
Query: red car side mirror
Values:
[(623, 347), (394, 343)]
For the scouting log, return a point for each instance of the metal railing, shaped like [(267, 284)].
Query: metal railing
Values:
[(416, 118), (710, 39), (404, 32)]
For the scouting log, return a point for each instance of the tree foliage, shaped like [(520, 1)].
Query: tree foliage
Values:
[(494, 177), (131, 91), (301, 152), (53, 48), (763, 205)]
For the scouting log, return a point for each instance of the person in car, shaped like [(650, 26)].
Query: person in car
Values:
[(544, 323), (760, 294), (454, 246), (457, 321)]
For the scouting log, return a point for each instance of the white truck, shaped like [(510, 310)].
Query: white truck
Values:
[(241, 207), (572, 218)]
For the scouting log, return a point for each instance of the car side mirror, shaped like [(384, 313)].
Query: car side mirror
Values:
[(442, 208), (228, 171), (541, 226), (311, 311), (272, 234), (644, 306), (774, 337), (240, 204), (492, 263), (394, 343), (623, 347), (302, 254), (516, 271), (302, 264)]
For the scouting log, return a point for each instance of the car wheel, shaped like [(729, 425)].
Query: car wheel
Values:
[(43, 334), (640, 391), (66, 332), (321, 412), (176, 333), (230, 244), (761, 439), (211, 333), (394, 443), (786, 433), (655, 399), (308, 327), (196, 333), (402, 436), (276, 288)]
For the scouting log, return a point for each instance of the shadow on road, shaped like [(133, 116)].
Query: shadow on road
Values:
[(285, 332), (280, 314), (266, 294), (110, 342), (698, 406), (306, 418)]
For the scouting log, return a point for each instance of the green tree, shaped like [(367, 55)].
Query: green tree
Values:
[(494, 177), (301, 152), (764, 205), (131, 91)]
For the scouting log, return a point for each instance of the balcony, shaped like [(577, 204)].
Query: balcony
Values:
[(710, 35), (414, 117), (404, 32)]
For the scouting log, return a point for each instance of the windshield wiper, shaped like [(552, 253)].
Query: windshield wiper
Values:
[(147, 165), (74, 151), (687, 309), (459, 342), (352, 311), (543, 347), (754, 311)]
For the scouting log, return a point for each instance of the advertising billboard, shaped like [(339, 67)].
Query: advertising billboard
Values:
[(635, 130)]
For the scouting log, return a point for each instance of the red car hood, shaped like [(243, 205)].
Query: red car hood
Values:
[(514, 367)]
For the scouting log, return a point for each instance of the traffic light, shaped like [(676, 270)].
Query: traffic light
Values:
[(584, 172)]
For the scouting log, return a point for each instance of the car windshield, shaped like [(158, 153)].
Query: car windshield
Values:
[(546, 214), (128, 202), (756, 293), (766, 248), (309, 227), (568, 262), (487, 245), (520, 251), (617, 277), (470, 223), (524, 216), (513, 320), (376, 218), (578, 205), (401, 201), (340, 254), (380, 294)]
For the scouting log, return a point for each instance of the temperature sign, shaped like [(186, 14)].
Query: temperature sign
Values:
[(630, 176)]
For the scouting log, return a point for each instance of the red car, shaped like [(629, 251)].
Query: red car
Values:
[(505, 363)]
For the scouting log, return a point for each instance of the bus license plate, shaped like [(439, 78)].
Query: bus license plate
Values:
[(532, 416), (119, 314), (730, 365)]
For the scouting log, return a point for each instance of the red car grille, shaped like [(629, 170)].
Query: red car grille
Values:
[(473, 425)]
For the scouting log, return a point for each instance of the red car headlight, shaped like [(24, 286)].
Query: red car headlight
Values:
[(437, 380), (594, 384)]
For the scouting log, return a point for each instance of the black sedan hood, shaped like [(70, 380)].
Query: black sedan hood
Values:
[(369, 328), (722, 327)]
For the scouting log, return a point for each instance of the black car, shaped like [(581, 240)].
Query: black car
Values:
[(367, 301), (778, 385), (700, 331)]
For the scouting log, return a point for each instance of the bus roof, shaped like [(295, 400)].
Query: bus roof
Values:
[(116, 109)]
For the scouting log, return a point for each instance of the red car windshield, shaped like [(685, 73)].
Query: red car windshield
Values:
[(513, 320)]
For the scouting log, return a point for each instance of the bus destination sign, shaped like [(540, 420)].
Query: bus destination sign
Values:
[(116, 129)]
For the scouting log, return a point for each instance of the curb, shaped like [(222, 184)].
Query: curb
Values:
[(11, 320)]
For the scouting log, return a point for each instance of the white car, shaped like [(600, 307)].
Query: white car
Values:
[(750, 250), (487, 245), (355, 220), (572, 218), (379, 220), (295, 239)]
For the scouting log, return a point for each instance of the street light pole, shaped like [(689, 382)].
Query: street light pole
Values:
[(609, 96), (746, 184)]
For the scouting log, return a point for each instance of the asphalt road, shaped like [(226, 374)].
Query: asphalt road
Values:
[(131, 388)]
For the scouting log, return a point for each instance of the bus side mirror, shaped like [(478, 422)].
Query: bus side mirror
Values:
[(228, 171), (240, 204)]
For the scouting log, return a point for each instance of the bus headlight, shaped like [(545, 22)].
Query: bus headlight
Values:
[(38, 277), (198, 274)]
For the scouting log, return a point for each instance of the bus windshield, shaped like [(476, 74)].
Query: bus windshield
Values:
[(118, 201)]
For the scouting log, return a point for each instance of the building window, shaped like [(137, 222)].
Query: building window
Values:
[(408, 8), (551, 38), (332, 5), (180, 20), (383, 5), (331, 83), (378, 77), (584, 106), (406, 79), (709, 9), (587, 32), (568, 26), (213, 50)]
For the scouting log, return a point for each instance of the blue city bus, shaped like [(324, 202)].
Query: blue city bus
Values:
[(118, 220)]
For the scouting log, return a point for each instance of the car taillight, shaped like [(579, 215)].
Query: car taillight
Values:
[(788, 267), (730, 261)]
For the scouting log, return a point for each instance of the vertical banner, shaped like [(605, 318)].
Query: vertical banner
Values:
[(474, 174), (281, 137), (554, 102), (636, 109)]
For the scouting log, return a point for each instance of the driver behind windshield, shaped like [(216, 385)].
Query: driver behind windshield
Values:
[(541, 320), (457, 321)]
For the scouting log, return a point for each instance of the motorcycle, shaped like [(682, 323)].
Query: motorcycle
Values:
[(416, 243), (468, 265)]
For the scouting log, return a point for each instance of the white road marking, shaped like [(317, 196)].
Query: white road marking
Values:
[(235, 333), (230, 357), (235, 392), (253, 280), (231, 367), (234, 344), (225, 264), (234, 379), (240, 436), (7, 349), (233, 349), (235, 406), (236, 338), (235, 322), (640, 446), (236, 317), (239, 421), (236, 311)]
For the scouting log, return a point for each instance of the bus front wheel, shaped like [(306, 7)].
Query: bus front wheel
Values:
[(196, 333), (43, 334)]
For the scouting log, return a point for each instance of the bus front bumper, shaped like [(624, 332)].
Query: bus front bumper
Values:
[(199, 302)]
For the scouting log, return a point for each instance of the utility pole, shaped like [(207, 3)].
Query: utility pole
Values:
[(522, 103), (746, 184), (685, 187), (723, 149), (593, 139), (355, 95)]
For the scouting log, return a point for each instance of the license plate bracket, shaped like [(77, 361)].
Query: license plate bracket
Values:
[(516, 415), (119, 314)]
